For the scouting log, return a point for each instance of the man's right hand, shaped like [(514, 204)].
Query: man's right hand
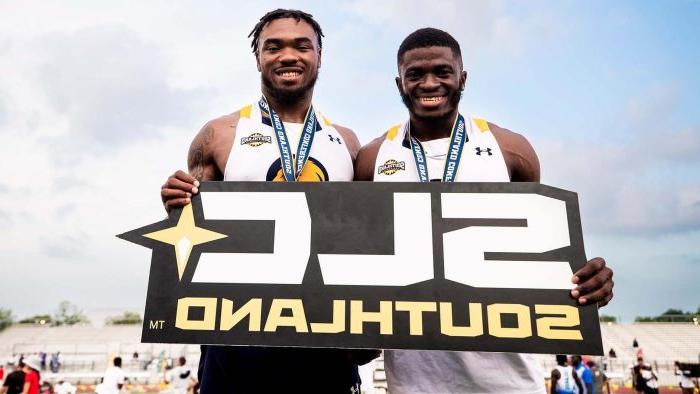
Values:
[(178, 190)]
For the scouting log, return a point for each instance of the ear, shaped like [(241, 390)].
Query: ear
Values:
[(399, 84), (320, 52), (257, 61), (462, 80)]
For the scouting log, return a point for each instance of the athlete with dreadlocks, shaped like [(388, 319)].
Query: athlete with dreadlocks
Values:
[(272, 139)]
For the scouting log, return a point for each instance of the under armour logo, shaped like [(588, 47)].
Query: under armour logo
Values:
[(487, 150), (336, 139)]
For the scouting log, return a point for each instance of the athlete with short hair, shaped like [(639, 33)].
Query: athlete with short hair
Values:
[(584, 373), (180, 377), (431, 80), (564, 380), (280, 137)]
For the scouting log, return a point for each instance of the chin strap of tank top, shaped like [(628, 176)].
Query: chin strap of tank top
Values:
[(290, 171), (457, 139)]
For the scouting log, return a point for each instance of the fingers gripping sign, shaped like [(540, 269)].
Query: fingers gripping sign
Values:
[(178, 190), (594, 283)]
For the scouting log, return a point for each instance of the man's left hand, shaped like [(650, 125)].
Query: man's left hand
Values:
[(594, 283)]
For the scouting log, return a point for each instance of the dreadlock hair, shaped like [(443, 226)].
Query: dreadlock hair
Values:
[(429, 37), (280, 14)]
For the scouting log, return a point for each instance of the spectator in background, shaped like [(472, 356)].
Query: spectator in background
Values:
[(685, 380), (63, 387), (32, 365), (134, 364), (55, 363), (114, 378), (600, 380), (14, 383), (564, 379), (181, 377), (42, 358), (644, 378), (612, 353), (584, 373)]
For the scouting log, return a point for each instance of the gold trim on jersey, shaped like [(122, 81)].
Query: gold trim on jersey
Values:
[(391, 134), (245, 111), (482, 124)]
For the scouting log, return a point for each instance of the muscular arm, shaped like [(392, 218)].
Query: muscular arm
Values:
[(521, 159), (366, 158), (556, 375), (351, 141), (200, 162), (206, 161), (579, 384)]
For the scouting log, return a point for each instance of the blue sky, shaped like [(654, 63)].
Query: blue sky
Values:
[(99, 101)]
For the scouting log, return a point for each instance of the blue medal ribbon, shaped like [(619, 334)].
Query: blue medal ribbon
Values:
[(287, 161), (457, 139)]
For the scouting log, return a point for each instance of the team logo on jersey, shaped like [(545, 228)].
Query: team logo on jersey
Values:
[(313, 171), (391, 166), (256, 139), (335, 139), (480, 150)]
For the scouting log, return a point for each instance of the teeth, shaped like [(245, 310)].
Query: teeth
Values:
[(289, 74), (431, 99)]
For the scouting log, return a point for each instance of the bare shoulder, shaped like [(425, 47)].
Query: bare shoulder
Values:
[(556, 374), (350, 138), (222, 128), (366, 159), (521, 159), (206, 159)]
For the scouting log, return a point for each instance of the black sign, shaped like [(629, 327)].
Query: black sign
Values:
[(453, 266)]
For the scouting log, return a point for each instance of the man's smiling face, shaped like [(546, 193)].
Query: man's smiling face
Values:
[(431, 81), (288, 58)]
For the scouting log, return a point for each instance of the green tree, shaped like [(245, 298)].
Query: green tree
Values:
[(6, 318), (607, 319), (125, 318), (68, 314), (672, 311), (671, 315), (37, 319)]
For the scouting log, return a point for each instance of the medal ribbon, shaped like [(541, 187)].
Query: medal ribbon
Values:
[(457, 139), (287, 161)]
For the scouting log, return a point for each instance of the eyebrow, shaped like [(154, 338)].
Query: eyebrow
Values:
[(443, 66), (280, 41)]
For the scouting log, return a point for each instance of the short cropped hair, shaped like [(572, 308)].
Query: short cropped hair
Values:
[(281, 14), (428, 37)]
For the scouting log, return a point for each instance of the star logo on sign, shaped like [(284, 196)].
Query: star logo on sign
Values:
[(183, 237)]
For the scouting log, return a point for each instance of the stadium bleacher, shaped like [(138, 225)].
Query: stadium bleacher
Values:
[(87, 351)]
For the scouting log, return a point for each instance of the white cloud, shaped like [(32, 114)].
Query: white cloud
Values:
[(118, 94), (630, 188), (483, 28)]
